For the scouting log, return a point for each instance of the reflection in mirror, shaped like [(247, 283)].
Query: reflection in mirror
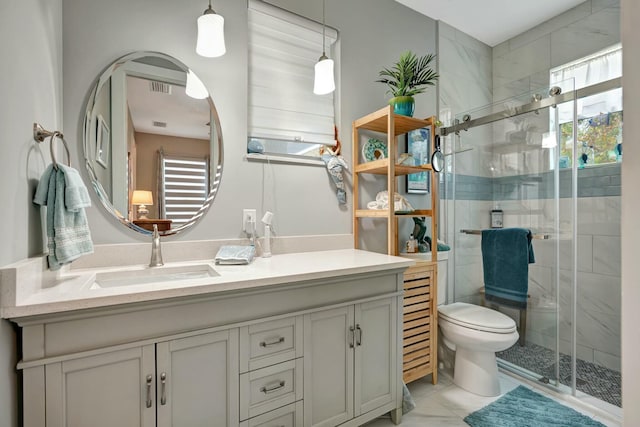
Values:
[(143, 135)]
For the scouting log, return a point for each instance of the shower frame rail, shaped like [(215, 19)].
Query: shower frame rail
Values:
[(551, 101)]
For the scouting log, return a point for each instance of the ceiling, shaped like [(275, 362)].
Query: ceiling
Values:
[(182, 115), (491, 21)]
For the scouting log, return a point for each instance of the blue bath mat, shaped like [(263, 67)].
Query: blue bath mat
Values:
[(522, 407)]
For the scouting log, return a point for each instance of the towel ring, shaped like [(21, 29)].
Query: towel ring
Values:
[(40, 134)]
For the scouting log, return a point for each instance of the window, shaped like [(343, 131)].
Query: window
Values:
[(599, 116), (185, 187), (283, 50)]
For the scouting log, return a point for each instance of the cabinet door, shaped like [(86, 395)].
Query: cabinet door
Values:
[(328, 367), (111, 389), (376, 371), (197, 380)]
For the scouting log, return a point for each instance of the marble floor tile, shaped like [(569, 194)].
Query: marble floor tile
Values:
[(446, 404)]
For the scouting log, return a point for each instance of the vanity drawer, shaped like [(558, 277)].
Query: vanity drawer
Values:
[(269, 388), (287, 416), (268, 343)]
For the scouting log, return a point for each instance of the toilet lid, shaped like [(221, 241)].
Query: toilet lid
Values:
[(476, 317)]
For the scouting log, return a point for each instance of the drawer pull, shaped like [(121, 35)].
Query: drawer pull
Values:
[(163, 393), (272, 343), (351, 337), (149, 401), (358, 335), (274, 387)]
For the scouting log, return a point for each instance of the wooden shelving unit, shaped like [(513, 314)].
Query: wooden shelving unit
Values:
[(420, 328)]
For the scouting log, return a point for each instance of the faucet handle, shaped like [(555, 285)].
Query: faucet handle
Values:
[(156, 250)]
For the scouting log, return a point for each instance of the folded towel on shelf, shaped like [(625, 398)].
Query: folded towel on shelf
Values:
[(506, 255), (68, 237), (235, 255)]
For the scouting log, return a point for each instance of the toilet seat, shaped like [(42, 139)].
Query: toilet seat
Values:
[(477, 317)]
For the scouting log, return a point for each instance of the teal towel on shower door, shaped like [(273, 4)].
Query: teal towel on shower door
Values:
[(506, 255)]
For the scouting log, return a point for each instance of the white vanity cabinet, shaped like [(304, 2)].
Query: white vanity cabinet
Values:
[(350, 356), (188, 381), (104, 390), (197, 380), (321, 351)]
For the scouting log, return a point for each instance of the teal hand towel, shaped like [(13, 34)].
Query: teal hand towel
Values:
[(68, 235), (76, 195), (506, 255)]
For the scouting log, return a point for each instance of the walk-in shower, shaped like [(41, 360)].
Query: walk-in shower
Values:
[(548, 161)]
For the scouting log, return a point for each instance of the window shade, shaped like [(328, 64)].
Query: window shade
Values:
[(185, 187), (283, 50)]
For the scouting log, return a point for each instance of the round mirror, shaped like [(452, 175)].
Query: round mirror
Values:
[(437, 158), (152, 143)]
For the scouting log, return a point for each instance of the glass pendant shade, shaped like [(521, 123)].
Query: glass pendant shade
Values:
[(323, 81), (210, 35), (195, 88)]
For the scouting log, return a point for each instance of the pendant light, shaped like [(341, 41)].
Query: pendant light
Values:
[(195, 88), (323, 81), (210, 41)]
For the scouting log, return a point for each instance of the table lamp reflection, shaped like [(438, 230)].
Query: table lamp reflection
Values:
[(142, 198)]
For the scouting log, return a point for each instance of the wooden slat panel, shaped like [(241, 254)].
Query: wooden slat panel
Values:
[(415, 315), (425, 354), (422, 330), (416, 275), (416, 300), (415, 339), (417, 322), (419, 283), (416, 373), (415, 347), (416, 307), (417, 291), (414, 363)]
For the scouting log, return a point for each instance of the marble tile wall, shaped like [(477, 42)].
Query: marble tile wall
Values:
[(465, 68), (522, 63)]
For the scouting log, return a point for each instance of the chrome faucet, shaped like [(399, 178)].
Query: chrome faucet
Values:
[(156, 250)]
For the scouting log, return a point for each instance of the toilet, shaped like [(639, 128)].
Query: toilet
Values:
[(476, 333)]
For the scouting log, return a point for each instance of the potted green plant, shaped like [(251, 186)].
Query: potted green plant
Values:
[(409, 76)]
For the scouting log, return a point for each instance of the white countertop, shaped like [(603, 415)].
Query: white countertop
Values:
[(26, 291)]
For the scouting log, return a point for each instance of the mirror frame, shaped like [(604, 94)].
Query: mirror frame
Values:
[(88, 126)]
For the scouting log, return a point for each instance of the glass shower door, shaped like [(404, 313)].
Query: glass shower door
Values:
[(512, 172)]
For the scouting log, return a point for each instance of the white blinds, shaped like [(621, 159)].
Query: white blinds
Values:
[(283, 49), (185, 187)]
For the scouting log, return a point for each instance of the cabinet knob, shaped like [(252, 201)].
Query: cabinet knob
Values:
[(163, 390), (149, 380)]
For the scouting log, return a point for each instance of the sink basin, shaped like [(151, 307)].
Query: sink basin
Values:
[(153, 275)]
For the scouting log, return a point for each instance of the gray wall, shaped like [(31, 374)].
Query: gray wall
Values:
[(630, 207), (302, 198), (30, 90)]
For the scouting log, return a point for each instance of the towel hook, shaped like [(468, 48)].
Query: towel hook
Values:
[(40, 134)]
